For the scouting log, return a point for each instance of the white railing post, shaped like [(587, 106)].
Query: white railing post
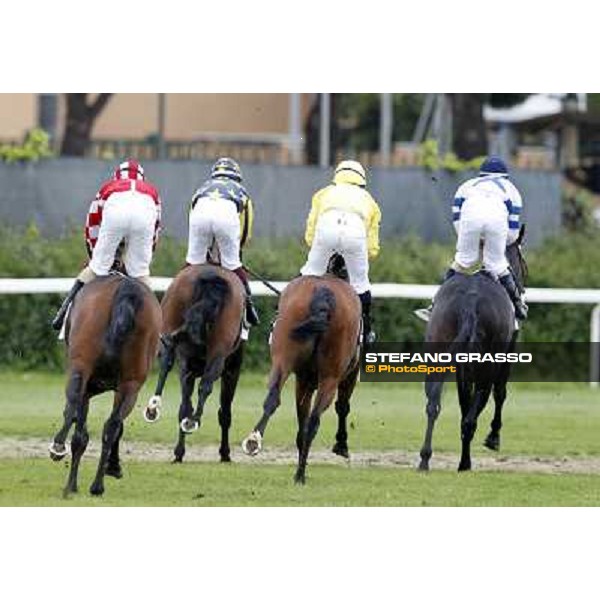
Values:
[(595, 349)]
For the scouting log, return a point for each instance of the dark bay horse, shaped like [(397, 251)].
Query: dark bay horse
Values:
[(112, 336), (473, 313), (202, 323), (316, 338)]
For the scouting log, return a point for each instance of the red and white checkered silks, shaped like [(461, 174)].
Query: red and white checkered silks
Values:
[(128, 176)]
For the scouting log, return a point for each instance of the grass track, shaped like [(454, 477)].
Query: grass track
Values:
[(542, 421)]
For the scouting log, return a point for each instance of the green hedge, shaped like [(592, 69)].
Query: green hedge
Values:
[(29, 342)]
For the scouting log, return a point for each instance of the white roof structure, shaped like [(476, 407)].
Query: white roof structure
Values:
[(536, 105)]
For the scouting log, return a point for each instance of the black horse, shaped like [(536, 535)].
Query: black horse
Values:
[(475, 312)]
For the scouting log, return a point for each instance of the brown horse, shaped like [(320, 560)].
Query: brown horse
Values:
[(202, 322), (112, 335), (316, 337)]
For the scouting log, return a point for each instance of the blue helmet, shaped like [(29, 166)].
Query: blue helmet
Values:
[(493, 166), (226, 167)]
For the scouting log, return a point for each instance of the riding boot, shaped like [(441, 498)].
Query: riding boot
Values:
[(509, 284), (425, 313), (251, 314), (368, 334), (58, 320)]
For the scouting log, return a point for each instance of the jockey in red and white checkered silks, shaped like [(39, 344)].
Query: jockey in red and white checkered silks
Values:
[(126, 210)]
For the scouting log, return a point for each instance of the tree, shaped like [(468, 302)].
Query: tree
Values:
[(81, 117), (469, 136)]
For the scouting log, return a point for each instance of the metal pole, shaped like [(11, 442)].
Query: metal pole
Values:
[(295, 129), (595, 349), (424, 118), (48, 114), (386, 122), (162, 114), (325, 131)]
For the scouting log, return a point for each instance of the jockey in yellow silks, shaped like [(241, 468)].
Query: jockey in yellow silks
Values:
[(344, 219)]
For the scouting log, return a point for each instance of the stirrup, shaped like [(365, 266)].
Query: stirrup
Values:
[(423, 313)]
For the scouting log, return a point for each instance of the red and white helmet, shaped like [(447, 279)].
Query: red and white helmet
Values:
[(130, 169)]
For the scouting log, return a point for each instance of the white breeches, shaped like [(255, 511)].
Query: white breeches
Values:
[(487, 222), (219, 220), (129, 217), (344, 233)]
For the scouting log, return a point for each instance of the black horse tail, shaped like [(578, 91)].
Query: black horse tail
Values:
[(469, 321), (322, 305), (209, 296), (127, 301)]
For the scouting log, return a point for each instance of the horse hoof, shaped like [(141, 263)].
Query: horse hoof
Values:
[(58, 451), (114, 471), (96, 489), (226, 459), (252, 445), (492, 443), (341, 450), (300, 479), (462, 468), (423, 467), (152, 411), (189, 425)]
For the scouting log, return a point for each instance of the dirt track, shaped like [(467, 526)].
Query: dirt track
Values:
[(35, 448)]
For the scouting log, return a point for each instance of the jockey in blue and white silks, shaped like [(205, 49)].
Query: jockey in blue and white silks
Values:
[(486, 208), (486, 214)]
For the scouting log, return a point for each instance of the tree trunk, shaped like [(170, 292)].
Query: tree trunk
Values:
[(468, 127), (312, 133), (80, 120)]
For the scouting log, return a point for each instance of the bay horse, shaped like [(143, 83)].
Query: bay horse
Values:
[(474, 312), (112, 335), (316, 337), (202, 324)]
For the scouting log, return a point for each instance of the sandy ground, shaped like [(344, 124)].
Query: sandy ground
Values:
[(36, 448)]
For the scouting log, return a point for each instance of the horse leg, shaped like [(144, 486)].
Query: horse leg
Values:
[(167, 360), (469, 423), (342, 408), (305, 388), (74, 393), (492, 441), (79, 442), (253, 443), (212, 372), (186, 380), (113, 468), (124, 402), (325, 395), (433, 391), (229, 381)]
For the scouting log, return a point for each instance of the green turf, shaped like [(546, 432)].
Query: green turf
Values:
[(38, 482), (542, 420)]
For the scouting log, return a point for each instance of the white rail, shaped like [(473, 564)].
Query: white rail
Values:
[(379, 290)]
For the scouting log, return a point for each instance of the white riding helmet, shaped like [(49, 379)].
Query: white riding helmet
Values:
[(350, 171)]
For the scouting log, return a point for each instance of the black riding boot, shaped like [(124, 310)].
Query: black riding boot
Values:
[(509, 284), (251, 314), (58, 320), (368, 334)]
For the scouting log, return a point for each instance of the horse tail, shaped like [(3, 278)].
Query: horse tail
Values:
[(127, 301), (209, 296), (469, 320), (321, 308)]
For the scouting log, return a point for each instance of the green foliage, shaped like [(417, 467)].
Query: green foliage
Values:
[(35, 146), (29, 342), (429, 157), (359, 116)]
